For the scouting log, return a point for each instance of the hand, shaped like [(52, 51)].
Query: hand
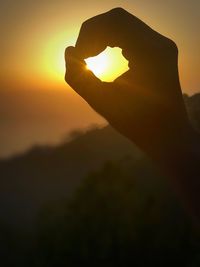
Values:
[(145, 104)]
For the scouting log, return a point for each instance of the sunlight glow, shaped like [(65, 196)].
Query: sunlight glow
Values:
[(108, 65), (52, 60), (98, 64)]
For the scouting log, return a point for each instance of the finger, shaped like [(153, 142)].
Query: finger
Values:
[(82, 80), (114, 28)]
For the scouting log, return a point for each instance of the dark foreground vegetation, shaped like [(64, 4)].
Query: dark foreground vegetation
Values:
[(94, 201)]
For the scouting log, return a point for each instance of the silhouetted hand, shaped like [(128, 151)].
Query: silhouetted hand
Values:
[(145, 104)]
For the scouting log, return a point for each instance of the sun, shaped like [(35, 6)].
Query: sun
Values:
[(51, 57), (99, 64), (108, 65)]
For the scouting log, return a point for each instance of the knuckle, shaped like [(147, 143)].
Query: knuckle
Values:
[(118, 10), (68, 52), (84, 25), (170, 47), (67, 77), (87, 24), (173, 46)]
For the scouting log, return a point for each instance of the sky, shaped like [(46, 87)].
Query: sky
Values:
[(36, 106)]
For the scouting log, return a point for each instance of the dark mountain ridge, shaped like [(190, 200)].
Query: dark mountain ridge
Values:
[(46, 174)]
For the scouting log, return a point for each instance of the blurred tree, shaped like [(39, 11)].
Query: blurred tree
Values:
[(116, 218)]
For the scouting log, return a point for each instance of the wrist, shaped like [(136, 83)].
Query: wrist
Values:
[(184, 173), (181, 157)]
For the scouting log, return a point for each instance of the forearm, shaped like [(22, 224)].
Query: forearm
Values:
[(183, 166)]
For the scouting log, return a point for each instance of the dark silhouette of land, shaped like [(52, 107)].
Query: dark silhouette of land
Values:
[(45, 174), (99, 189)]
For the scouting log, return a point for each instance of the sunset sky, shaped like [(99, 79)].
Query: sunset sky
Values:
[(36, 106)]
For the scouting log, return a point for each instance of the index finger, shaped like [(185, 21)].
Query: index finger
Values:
[(116, 27)]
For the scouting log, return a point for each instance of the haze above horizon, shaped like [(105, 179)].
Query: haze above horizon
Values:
[(36, 106)]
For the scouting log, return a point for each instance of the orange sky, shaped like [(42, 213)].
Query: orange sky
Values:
[(35, 34)]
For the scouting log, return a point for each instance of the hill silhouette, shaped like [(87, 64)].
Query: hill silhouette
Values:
[(44, 174), (40, 183)]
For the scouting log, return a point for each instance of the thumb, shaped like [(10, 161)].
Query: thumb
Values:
[(82, 80)]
